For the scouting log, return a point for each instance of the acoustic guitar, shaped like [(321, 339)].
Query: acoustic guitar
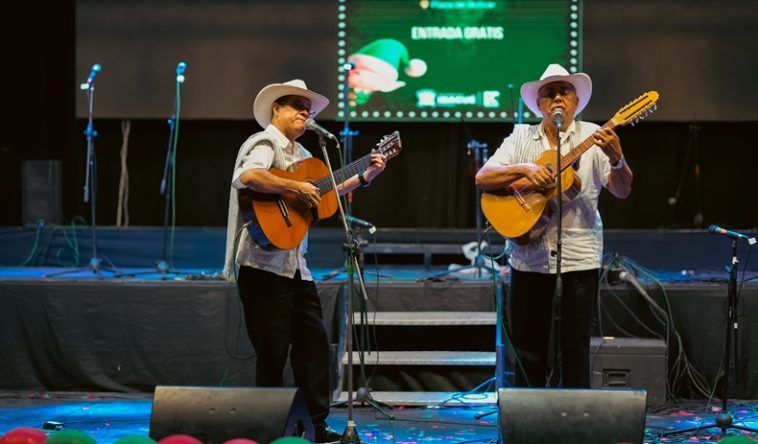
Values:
[(282, 221), (521, 211)]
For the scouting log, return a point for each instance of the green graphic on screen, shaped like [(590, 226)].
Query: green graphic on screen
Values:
[(449, 60)]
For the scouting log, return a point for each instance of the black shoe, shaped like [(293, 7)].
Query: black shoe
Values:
[(324, 435)]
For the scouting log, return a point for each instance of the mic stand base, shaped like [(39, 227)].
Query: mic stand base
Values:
[(350, 435), (363, 396), (93, 265), (162, 268), (724, 421)]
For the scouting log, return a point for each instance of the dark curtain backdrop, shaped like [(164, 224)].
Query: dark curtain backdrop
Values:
[(697, 54), (430, 184)]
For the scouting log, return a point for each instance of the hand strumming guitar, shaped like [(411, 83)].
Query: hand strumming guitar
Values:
[(538, 175), (308, 193)]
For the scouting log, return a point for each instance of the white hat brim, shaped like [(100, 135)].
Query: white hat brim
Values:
[(581, 81), (262, 107)]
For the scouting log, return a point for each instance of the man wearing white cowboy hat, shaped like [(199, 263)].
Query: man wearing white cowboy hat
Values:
[(282, 306), (533, 277)]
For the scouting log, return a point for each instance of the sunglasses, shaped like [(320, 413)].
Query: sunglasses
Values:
[(297, 103)]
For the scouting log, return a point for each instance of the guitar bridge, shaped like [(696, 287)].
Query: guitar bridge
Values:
[(284, 211), (520, 199)]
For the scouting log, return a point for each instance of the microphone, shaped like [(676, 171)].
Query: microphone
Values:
[(311, 124), (557, 116), (96, 68), (180, 68), (715, 229), (361, 223)]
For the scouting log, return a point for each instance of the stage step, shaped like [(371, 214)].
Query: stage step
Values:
[(428, 398), (422, 352), (446, 358), (428, 318)]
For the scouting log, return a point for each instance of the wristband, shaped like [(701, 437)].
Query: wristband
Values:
[(364, 182), (619, 164)]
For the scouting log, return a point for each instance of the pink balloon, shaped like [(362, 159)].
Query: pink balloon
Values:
[(24, 435), (180, 439), (241, 441)]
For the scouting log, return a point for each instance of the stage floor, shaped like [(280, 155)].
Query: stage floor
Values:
[(109, 416)]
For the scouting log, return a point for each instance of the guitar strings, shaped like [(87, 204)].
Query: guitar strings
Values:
[(573, 155), (325, 185)]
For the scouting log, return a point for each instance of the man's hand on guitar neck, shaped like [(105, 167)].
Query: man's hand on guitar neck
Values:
[(609, 142), (378, 162), (620, 179)]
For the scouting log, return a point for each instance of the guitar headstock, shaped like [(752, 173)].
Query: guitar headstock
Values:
[(389, 145), (637, 109)]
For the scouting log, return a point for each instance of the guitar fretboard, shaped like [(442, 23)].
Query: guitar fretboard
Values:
[(569, 158), (325, 184)]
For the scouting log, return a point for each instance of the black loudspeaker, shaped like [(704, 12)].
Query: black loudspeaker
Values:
[(572, 416), (629, 363), (216, 415), (41, 199)]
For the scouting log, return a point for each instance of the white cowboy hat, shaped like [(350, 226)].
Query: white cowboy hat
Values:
[(270, 93), (556, 73)]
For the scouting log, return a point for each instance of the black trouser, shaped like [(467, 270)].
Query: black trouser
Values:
[(284, 317), (531, 316)]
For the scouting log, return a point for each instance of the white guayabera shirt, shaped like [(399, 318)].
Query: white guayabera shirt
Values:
[(582, 226), (266, 149)]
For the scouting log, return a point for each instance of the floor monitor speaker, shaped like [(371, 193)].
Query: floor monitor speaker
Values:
[(216, 414), (572, 416)]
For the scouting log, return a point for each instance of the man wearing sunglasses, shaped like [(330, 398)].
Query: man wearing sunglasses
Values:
[(282, 307)]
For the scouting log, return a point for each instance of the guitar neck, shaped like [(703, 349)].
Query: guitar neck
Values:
[(569, 158), (325, 184)]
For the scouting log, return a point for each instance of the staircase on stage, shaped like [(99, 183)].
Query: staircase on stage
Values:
[(431, 338)]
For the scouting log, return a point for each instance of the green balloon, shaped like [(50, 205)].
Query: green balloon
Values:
[(135, 439), (70, 437), (291, 440)]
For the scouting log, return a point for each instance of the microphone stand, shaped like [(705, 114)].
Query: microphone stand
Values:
[(354, 249), (165, 266), (673, 201), (350, 435), (554, 344), (346, 133), (724, 420), (90, 185), (347, 155), (480, 152)]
